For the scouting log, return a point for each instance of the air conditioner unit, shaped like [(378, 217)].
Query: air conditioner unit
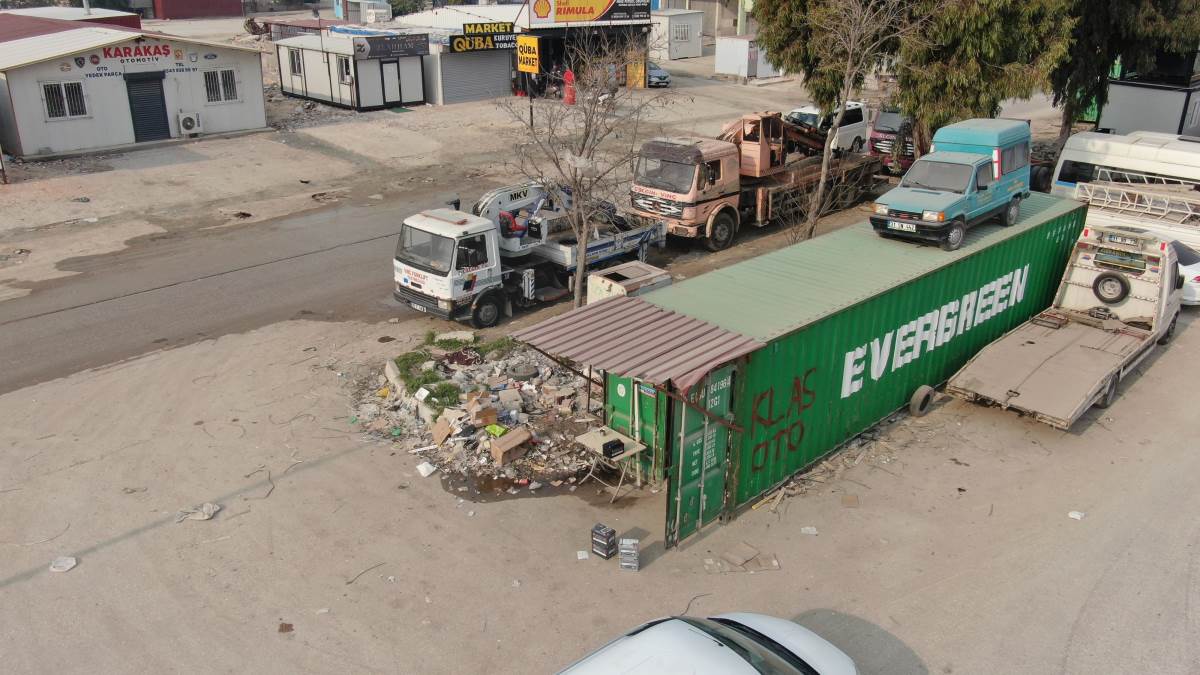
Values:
[(189, 123)]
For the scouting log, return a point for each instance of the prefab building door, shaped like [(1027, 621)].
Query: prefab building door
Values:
[(147, 106), (696, 479), (391, 82)]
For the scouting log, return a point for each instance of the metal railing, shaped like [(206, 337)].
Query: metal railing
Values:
[(1177, 202)]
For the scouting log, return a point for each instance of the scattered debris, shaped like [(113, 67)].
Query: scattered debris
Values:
[(204, 511), (850, 501), (742, 558), (133, 490), (1076, 515), (82, 200), (286, 627), (63, 564), (516, 583), (808, 529), (581, 555), (323, 610), (426, 469)]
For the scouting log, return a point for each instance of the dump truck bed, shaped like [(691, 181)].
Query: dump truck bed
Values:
[(1049, 367)]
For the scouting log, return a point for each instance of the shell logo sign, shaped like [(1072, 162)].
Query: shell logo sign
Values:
[(582, 11)]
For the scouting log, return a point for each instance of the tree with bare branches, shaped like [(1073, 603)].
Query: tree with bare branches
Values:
[(582, 153), (853, 37)]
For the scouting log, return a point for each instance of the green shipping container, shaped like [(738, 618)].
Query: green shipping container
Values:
[(842, 330)]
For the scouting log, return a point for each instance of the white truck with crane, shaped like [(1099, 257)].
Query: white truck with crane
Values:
[(515, 249), (1119, 297)]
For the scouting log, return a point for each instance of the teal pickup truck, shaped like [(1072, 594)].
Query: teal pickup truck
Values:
[(976, 170)]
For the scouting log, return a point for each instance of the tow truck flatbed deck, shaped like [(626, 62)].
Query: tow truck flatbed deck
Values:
[(1051, 369)]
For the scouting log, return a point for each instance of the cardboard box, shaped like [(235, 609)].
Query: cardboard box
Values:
[(511, 446)]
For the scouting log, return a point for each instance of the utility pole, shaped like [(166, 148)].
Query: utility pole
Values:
[(87, 7), (741, 17)]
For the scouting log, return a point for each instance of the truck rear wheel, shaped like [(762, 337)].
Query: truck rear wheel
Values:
[(1169, 332), (722, 232), (486, 312), (1110, 394), (955, 236)]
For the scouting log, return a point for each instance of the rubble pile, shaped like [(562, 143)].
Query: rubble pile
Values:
[(477, 412)]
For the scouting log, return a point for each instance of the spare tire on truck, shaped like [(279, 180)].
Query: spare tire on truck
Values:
[(1111, 288)]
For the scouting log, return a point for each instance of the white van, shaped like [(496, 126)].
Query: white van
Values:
[(1139, 157), (851, 134), (1144, 179)]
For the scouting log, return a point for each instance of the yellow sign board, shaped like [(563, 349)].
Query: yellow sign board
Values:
[(528, 60)]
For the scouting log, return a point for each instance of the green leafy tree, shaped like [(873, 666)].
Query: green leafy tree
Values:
[(1131, 31), (402, 7), (974, 55), (786, 31)]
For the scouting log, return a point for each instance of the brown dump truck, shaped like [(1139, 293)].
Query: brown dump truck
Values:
[(760, 170)]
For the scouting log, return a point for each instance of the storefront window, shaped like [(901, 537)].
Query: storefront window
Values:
[(64, 100)]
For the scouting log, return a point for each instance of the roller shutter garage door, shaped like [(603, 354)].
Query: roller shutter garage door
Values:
[(147, 106), (476, 76)]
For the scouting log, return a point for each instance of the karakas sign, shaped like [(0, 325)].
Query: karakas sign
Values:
[(141, 53), (544, 12)]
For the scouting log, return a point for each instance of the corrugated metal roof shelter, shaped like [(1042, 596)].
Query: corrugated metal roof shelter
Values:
[(783, 291), (636, 339), (93, 15)]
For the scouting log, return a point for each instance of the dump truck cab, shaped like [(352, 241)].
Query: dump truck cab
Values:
[(685, 182), (977, 170), (1119, 297)]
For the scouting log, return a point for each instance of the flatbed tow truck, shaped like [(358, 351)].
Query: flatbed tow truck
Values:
[(760, 170), (515, 249), (1118, 299)]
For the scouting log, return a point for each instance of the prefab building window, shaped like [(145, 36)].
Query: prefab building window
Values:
[(64, 100), (220, 85), (295, 62), (681, 32), (343, 63)]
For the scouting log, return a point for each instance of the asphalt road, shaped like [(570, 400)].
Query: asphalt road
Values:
[(173, 289)]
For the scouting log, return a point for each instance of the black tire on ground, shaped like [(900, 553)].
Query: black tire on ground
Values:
[(1110, 288), (1110, 394), (954, 236), (1012, 213), (857, 145), (922, 401), (1170, 332), (723, 229), (1039, 179), (486, 312)]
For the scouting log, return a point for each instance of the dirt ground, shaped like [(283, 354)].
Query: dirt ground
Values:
[(331, 554)]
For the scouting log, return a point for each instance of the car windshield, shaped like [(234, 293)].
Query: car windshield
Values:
[(938, 176), (888, 122), (1187, 256), (805, 118), (665, 175), (762, 659), (428, 251)]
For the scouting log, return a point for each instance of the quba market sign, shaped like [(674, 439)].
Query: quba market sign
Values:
[(482, 37), (544, 12), (142, 53)]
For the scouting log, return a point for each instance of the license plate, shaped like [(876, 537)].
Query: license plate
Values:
[(903, 227), (1117, 239), (417, 307)]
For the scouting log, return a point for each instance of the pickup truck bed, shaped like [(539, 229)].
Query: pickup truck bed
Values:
[(1050, 367)]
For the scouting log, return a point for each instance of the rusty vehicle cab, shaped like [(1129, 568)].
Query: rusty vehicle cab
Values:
[(684, 181)]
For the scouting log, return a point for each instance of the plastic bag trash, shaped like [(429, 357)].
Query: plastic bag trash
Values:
[(63, 564), (426, 469), (581, 555), (204, 511), (1076, 515), (808, 529)]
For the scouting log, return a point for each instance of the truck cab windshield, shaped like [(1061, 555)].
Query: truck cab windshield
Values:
[(888, 122), (666, 175), (424, 250), (942, 176)]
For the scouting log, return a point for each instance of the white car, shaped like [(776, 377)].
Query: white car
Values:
[(727, 644), (851, 134), (1189, 267)]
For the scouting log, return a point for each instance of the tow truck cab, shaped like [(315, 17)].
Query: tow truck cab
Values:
[(444, 261), (977, 170), (683, 181)]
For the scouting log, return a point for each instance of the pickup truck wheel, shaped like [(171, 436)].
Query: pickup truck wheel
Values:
[(1012, 212), (1110, 394), (1110, 288), (1170, 332), (922, 401), (857, 146), (955, 236), (722, 232), (485, 313)]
